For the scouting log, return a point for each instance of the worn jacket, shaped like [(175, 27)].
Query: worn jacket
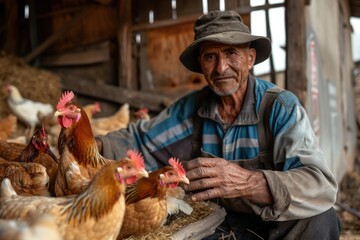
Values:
[(301, 183)]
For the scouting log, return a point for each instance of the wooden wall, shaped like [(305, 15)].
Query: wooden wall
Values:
[(92, 46)]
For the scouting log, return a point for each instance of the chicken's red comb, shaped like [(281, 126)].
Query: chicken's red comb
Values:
[(137, 157), (43, 132), (178, 167), (97, 106), (66, 97)]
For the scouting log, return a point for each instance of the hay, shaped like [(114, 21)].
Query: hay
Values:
[(200, 210), (33, 83)]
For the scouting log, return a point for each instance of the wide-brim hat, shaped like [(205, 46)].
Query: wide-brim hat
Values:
[(223, 27)]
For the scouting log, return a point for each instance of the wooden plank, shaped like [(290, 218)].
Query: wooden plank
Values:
[(165, 23), (95, 54), (56, 36), (189, 7), (136, 99), (11, 27), (125, 44), (162, 10), (296, 80), (140, 10), (213, 5)]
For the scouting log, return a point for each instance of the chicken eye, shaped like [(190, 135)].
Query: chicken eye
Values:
[(129, 167)]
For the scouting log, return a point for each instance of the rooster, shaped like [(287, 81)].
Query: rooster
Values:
[(28, 179), (26, 110), (120, 119), (146, 200), (76, 144), (37, 151), (96, 213)]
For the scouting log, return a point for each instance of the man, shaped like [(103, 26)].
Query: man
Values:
[(284, 191)]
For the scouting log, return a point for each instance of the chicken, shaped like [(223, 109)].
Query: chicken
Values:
[(28, 179), (96, 213), (37, 151), (118, 120), (26, 110), (39, 228), (7, 126), (92, 109), (76, 144), (11, 151), (142, 113), (146, 200)]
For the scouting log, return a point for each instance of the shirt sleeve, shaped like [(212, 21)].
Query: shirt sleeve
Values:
[(306, 186)]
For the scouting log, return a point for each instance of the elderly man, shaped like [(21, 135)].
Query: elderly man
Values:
[(245, 143)]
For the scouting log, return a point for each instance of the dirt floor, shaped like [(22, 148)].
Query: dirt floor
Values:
[(349, 204)]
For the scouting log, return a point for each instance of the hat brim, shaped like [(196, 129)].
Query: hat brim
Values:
[(262, 45)]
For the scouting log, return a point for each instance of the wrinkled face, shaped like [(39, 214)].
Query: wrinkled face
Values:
[(226, 67)]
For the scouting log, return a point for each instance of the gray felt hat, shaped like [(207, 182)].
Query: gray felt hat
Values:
[(223, 27)]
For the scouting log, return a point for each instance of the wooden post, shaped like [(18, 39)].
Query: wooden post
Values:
[(296, 80), (125, 44)]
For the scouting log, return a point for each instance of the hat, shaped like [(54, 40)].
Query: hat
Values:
[(223, 27)]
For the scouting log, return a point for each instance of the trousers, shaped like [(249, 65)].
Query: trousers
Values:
[(325, 226)]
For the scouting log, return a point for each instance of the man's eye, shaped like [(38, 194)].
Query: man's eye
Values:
[(231, 52), (209, 57)]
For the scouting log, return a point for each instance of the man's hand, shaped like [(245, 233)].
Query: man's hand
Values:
[(216, 177)]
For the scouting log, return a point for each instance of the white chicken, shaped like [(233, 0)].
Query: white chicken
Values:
[(26, 110)]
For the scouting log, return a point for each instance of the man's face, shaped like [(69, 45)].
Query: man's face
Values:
[(226, 67)]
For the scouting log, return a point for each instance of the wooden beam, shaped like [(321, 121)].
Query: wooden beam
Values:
[(125, 44), (296, 80), (137, 99)]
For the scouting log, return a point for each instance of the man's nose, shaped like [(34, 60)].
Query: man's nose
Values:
[(222, 63)]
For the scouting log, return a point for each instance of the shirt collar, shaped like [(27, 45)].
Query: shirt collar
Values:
[(247, 115)]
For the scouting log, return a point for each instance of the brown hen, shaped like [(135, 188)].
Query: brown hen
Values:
[(146, 200), (28, 179), (37, 151), (120, 119), (7, 126)]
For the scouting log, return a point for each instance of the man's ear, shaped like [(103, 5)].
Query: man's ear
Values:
[(251, 58)]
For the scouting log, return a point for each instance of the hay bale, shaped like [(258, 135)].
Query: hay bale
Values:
[(33, 83)]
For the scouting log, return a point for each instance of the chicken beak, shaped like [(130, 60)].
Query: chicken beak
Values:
[(184, 180), (58, 113), (143, 173)]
